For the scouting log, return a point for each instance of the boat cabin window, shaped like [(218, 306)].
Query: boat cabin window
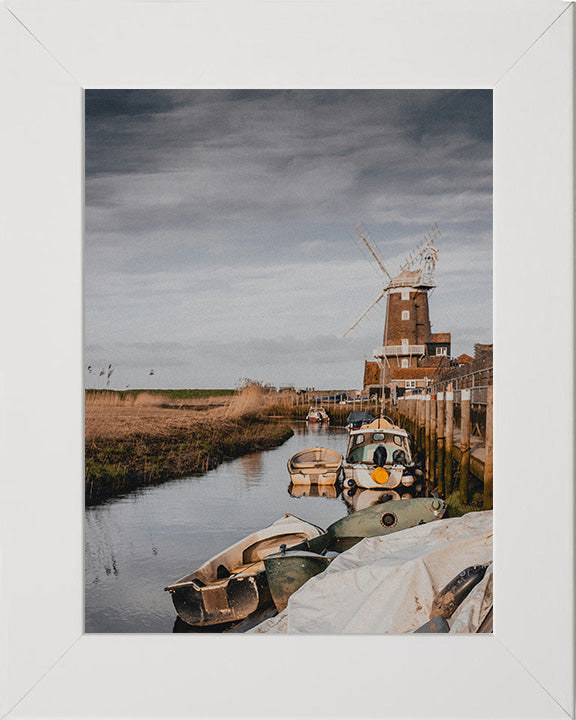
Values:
[(362, 446)]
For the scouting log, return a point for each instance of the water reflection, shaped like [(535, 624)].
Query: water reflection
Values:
[(137, 544), (240, 626), (316, 428), (357, 498), (251, 468), (329, 491)]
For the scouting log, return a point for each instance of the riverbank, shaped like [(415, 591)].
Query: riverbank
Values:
[(138, 440)]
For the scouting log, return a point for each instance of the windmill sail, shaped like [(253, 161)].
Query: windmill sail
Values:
[(372, 251), (420, 249), (374, 302)]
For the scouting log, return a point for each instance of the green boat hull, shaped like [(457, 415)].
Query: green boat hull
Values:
[(381, 519), (288, 571)]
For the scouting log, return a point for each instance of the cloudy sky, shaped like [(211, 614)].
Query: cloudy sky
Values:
[(220, 229)]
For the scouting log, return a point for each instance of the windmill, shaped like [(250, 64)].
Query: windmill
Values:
[(407, 324)]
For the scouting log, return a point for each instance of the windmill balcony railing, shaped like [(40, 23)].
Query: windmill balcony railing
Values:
[(387, 350)]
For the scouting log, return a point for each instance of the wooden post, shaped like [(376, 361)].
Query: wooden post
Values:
[(488, 459), (427, 436), (449, 441), (432, 448), (464, 444), (440, 444), (419, 406), (422, 424)]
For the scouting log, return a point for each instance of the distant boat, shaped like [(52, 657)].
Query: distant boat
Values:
[(288, 569), (357, 418), (317, 466), (379, 456), (232, 585), (317, 415)]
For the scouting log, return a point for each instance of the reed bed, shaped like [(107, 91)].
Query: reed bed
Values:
[(142, 439), (138, 438)]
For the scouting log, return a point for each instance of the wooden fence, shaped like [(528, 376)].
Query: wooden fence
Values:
[(442, 426)]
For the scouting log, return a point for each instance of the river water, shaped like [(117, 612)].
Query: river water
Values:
[(137, 544)]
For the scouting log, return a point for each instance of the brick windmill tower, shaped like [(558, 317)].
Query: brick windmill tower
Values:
[(410, 353)]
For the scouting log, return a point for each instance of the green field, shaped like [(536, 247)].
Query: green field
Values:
[(184, 394)]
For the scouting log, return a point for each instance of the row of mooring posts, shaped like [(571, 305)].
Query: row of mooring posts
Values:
[(430, 419)]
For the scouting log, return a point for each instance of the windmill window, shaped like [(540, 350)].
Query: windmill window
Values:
[(405, 314), (405, 294), (405, 363)]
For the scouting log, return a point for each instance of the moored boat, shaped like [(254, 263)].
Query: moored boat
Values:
[(317, 415), (319, 466), (232, 585), (357, 418), (379, 456), (451, 596), (381, 519), (288, 569)]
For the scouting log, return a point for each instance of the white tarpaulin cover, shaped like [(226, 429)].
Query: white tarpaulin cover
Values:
[(387, 584)]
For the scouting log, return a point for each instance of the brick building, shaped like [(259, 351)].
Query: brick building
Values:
[(411, 353)]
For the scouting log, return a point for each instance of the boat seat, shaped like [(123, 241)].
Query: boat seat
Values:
[(315, 466), (249, 568), (259, 550)]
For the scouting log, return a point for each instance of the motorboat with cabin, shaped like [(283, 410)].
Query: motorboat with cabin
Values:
[(379, 456), (357, 418), (317, 415)]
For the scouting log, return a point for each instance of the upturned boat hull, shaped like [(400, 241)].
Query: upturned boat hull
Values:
[(288, 571), (291, 568), (381, 519)]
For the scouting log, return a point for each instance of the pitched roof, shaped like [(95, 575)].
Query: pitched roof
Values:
[(464, 358), (440, 338), (413, 373)]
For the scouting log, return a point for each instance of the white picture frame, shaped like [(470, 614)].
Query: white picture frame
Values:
[(51, 50)]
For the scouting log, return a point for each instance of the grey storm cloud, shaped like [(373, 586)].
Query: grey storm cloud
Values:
[(226, 216)]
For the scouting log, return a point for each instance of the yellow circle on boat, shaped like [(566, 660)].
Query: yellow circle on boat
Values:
[(380, 475)]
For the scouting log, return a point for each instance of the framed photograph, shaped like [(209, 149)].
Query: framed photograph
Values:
[(53, 51)]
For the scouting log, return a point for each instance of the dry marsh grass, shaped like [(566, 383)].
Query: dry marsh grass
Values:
[(111, 416), (142, 439)]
